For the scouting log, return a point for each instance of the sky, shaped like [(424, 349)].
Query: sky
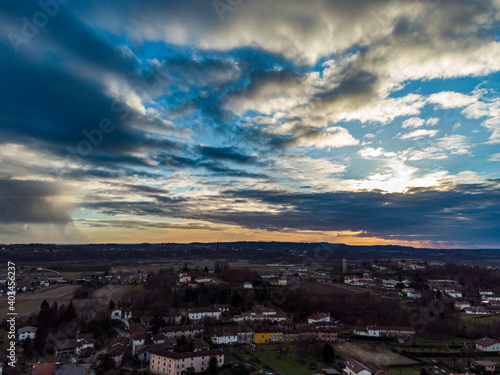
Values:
[(357, 122)]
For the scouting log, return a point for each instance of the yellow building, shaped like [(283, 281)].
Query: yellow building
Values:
[(268, 336)]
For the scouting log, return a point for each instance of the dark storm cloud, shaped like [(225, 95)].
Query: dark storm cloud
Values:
[(463, 214), (29, 201), (226, 153)]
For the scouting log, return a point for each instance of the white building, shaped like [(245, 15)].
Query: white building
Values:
[(412, 293), (460, 305), (319, 317), (487, 344), (26, 332), (230, 337), (247, 285), (476, 310), (165, 362), (197, 315)]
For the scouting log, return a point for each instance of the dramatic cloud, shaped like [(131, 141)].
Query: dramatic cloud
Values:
[(362, 117)]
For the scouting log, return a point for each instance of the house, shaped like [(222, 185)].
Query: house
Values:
[(43, 368), (412, 293), (245, 334), (144, 354), (489, 366), (65, 347), (325, 333), (247, 285), (188, 331), (354, 367), (476, 310), (117, 348), (173, 318), (453, 293), (385, 331), (291, 335), (223, 307), (263, 335), (165, 362), (200, 345), (319, 317), (184, 278), (486, 293), (121, 313), (260, 313), (229, 337), (486, 344), (26, 332), (200, 280), (137, 337), (199, 314), (461, 305), (116, 313)]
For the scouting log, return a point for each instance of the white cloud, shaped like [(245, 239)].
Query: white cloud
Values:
[(432, 121), (494, 157), (370, 153), (413, 122), (420, 133), (451, 99), (332, 137)]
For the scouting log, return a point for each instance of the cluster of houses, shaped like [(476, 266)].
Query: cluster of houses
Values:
[(396, 332), (82, 346), (449, 288)]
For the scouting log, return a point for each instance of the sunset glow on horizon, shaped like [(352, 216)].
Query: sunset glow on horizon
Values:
[(360, 122)]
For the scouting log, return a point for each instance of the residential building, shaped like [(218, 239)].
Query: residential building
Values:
[(412, 293), (26, 332), (489, 366), (137, 335), (199, 314), (188, 331), (461, 305), (476, 310), (319, 317), (385, 331), (486, 344), (165, 362), (229, 337), (117, 348), (354, 367)]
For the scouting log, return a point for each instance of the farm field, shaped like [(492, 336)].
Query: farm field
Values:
[(28, 303), (372, 352), (289, 364)]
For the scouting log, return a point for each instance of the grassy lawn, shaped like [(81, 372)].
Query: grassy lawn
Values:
[(23, 306), (289, 365), (128, 289)]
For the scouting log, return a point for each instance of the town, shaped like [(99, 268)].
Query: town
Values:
[(306, 311)]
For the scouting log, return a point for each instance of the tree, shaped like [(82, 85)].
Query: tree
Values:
[(40, 339), (105, 362), (328, 354), (44, 317), (70, 313), (213, 366)]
